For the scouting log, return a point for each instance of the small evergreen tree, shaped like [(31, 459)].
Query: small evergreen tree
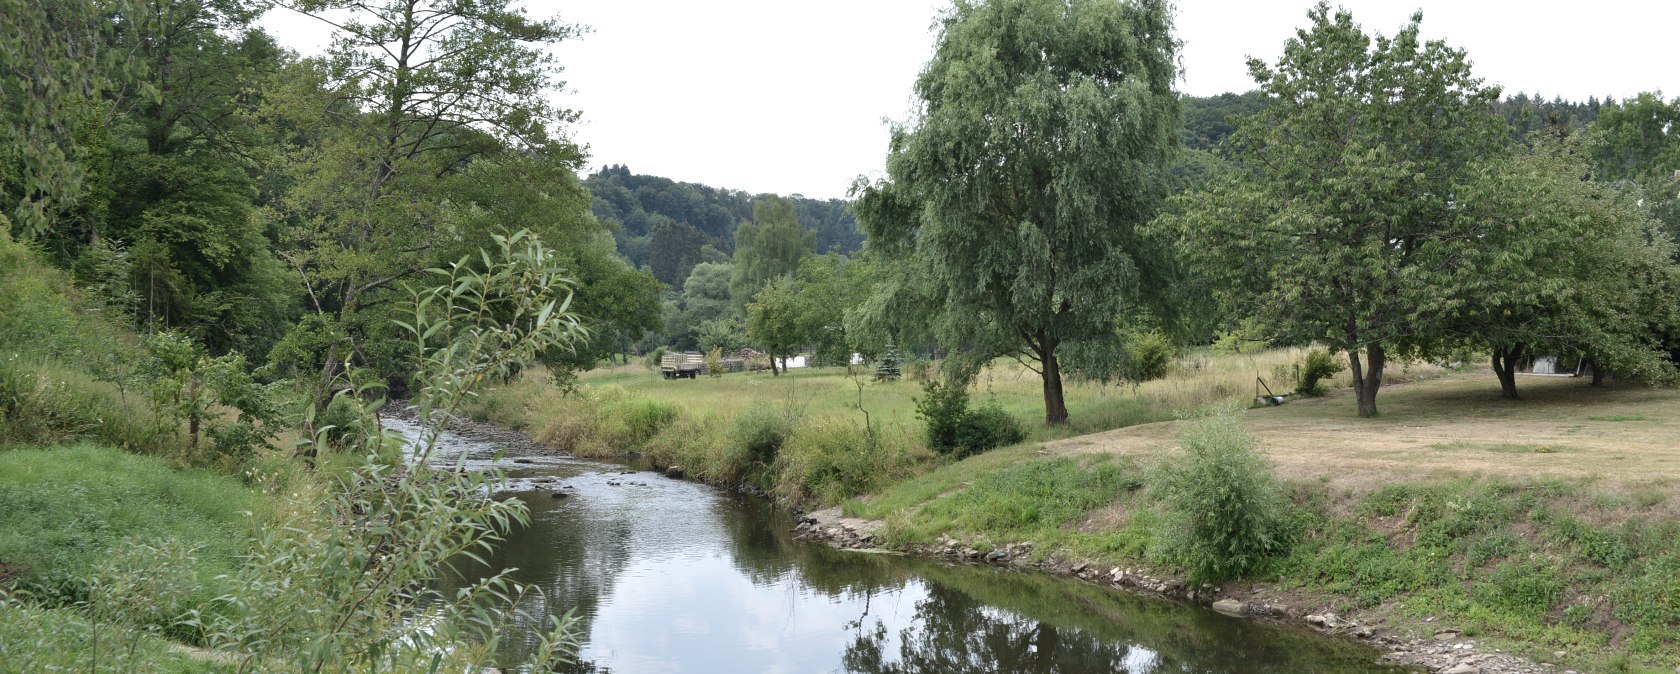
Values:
[(891, 365)]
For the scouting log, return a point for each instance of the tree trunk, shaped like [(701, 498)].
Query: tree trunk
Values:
[(1055, 407), (773, 371), (1598, 374), (1367, 379), (1505, 367)]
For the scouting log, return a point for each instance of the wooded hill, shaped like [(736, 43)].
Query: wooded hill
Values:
[(663, 225)]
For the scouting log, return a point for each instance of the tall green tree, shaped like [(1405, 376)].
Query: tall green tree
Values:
[(769, 246), (56, 59), (411, 95), (776, 320), (1340, 227), (1037, 150)]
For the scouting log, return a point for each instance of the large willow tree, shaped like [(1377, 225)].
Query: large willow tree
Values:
[(1019, 183)]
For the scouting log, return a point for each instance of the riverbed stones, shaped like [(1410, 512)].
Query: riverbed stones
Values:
[(675, 472), (1464, 668)]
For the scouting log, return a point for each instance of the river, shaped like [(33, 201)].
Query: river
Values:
[(675, 576)]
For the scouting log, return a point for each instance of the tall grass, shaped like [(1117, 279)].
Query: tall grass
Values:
[(61, 360)]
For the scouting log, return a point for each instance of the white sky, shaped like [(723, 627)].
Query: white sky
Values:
[(789, 96)]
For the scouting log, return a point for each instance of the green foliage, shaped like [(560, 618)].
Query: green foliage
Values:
[(1316, 367), (775, 320), (1150, 354), (1070, 107), (1339, 226), (955, 429), (759, 434), (767, 248), (343, 597), (1229, 513), (187, 386)]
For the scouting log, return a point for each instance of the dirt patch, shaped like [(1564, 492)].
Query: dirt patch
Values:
[(1454, 425)]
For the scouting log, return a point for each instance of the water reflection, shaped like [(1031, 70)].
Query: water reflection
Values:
[(671, 576)]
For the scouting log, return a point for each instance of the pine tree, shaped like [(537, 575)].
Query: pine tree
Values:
[(891, 366)]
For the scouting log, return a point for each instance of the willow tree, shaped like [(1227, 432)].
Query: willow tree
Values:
[(1041, 134), (1341, 226)]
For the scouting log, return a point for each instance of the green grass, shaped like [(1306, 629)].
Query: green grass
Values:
[(70, 509)]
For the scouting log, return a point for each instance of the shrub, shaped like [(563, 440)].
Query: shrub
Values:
[(955, 429), (1229, 510), (943, 407), (1150, 353), (989, 426), (757, 436), (1318, 366)]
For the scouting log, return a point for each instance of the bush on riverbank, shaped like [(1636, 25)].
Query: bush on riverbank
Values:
[(1225, 512)]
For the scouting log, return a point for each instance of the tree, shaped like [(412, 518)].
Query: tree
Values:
[(1043, 130), (1340, 227), (1638, 141), (1564, 265), (55, 61), (769, 246), (674, 251), (774, 320), (412, 97)]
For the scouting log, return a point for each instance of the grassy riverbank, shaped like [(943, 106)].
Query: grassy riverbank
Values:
[(803, 435), (1542, 525), (1511, 535)]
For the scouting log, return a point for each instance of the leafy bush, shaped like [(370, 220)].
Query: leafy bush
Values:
[(943, 407), (757, 436), (1315, 368), (989, 426), (1229, 510), (955, 429), (1150, 353)]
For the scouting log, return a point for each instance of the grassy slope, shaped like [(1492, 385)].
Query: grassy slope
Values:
[(68, 509)]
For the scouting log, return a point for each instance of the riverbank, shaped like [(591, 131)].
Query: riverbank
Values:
[(1448, 564)]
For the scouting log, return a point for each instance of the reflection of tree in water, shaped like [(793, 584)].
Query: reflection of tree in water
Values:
[(980, 620), (575, 566), (954, 633)]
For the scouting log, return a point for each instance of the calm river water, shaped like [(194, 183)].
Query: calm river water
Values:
[(674, 576)]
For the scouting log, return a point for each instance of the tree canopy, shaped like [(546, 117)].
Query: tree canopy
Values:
[(1037, 149), (1341, 223)]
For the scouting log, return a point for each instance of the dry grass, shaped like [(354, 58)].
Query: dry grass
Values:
[(1623, 435)]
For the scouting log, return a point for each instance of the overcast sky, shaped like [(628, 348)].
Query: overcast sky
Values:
[(790, 96)]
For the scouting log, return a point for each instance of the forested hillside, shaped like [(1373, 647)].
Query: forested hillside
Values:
[(663, 224)]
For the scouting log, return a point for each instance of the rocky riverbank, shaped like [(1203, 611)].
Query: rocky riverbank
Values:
[(1437, 649)]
